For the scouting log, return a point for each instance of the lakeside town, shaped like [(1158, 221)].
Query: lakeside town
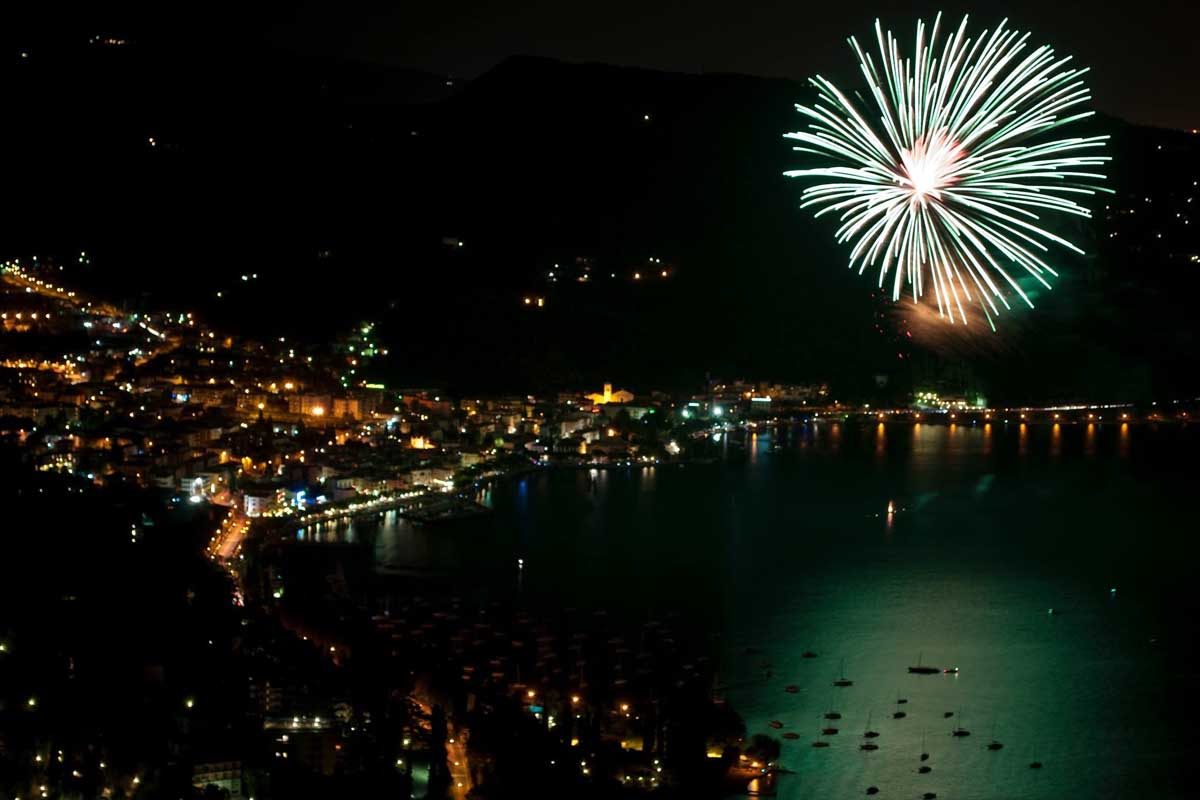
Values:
[(282, 428), (210, 450)]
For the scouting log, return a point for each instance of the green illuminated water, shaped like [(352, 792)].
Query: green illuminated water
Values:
[(785, 545)]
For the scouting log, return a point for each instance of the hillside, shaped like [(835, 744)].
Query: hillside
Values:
[(356, 191)]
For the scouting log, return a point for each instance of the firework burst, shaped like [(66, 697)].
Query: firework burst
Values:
[(944, 181)]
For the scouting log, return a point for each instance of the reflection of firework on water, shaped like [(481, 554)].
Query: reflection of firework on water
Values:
[(945, 177)]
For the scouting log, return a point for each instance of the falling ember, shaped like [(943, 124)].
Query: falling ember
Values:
[(945, 179)]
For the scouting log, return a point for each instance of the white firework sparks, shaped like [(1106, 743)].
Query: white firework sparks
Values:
[(948, 184)]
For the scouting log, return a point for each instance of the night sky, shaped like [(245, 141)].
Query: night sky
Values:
[(1143, 54)]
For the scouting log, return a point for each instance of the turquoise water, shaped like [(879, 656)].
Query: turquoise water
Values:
[(785, 545)]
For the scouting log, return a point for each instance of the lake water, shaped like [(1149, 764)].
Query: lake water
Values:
[(785, 545)]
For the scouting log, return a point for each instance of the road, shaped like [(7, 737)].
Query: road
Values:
[(456, 753), (226, 545), (227, 540)]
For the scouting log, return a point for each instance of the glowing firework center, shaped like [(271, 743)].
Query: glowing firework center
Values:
[(945, 180)]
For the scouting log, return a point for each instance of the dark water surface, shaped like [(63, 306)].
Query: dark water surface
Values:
[(785, 545)]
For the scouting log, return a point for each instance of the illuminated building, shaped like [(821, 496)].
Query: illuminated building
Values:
[(309, 404), (609, 396), (347, 407)]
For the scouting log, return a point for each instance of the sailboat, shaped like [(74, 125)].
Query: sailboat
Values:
[(959, 730), (924, 752), (843, 681), (868, 733), (818, 742), (831, 714), (921, 669), (994, 745), (830, 731)]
